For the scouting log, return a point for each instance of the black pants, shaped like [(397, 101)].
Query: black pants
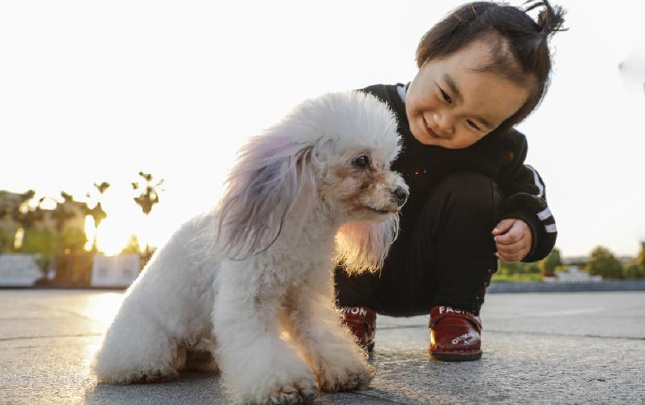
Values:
[(446, 259)]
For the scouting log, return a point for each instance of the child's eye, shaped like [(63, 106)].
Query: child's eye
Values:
[(473, 125), (445, 96)]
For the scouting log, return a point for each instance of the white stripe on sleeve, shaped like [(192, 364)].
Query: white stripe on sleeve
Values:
[(544, 214), (538, 183)]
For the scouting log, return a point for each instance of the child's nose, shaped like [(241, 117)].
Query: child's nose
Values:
[(445, 122)]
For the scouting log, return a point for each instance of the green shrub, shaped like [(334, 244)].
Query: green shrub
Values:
[(6, 240), (603, 262), (633, 271)]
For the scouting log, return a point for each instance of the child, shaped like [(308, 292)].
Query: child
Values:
[(473, 201)]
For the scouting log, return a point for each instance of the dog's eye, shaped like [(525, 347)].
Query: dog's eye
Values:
[(361, 162)]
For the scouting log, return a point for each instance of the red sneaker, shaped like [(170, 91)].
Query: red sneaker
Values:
[(362, 322), (455, 335)]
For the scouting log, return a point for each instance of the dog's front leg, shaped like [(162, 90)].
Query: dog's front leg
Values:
[(315, 324), (251, 353)]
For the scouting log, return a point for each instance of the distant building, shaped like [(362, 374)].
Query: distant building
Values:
[(18, 270), (572, 275), (582, 260), (115, 271), (574, 260)]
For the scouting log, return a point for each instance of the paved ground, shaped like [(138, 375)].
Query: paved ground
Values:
[(539, 348)]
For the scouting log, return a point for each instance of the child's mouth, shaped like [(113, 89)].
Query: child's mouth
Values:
[(429, 130)]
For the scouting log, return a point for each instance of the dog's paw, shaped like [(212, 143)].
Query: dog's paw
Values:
[(138, 377), (299, 392), (203, 361), (352, 378)]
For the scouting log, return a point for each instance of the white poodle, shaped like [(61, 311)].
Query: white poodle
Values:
[(248, 288)]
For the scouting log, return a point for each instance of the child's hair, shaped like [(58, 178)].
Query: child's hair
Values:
[(521, 52)]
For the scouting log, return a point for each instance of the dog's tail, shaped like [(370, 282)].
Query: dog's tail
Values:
[(363, 247)]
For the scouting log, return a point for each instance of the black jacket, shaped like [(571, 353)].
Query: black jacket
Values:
[(498, 156)]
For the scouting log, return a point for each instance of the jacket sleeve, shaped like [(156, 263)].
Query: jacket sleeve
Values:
[(525, 197)]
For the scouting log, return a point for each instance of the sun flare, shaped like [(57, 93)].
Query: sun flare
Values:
[(112, 235)]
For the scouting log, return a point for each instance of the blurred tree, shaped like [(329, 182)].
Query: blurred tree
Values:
[(149, 192), (509, 269), (97, 213), (25, 215), (532, 268), (102, 187), (550, 263), (53, 244), (133, 246), (72, 241), (50, 246), (62, 213), (146, 200), (641, 257), (68, 255), (26, 196), (5, 208), (602, 261), (633, 271), (44, 244), (6, 240)]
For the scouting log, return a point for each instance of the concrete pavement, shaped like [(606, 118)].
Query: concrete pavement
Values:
[(538, 348)]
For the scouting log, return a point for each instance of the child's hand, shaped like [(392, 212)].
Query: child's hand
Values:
[(512, 239)]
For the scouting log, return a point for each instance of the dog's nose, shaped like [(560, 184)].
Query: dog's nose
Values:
[(400, 196)]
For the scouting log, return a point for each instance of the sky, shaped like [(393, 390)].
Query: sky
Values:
[(98, 91)]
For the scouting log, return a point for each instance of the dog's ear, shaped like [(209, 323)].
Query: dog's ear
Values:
[(272, 172), (362, 247)]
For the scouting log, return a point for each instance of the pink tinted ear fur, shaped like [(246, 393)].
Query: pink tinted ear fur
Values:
[(363, 247), (262, 189)]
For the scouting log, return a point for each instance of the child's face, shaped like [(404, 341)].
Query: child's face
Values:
[(450, 105)]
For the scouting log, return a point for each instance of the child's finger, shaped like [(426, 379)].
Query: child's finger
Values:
[(503, 226), (513, 252), (510, 258), (509, 238), (508, 250)]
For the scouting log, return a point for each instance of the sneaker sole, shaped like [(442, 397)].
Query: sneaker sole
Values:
[(456, 356)]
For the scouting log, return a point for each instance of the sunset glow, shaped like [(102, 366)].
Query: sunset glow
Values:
[(111, 236), (174, 91)]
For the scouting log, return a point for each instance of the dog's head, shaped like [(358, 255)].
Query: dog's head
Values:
[(353, 161), (332, 152), (352, 154)]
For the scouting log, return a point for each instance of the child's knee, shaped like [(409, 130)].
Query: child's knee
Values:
[(472, 193)]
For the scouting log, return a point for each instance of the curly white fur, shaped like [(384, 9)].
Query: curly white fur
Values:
[(248, 288)]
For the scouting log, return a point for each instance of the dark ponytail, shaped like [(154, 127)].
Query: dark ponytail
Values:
[(520, 44), (550, 19)]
